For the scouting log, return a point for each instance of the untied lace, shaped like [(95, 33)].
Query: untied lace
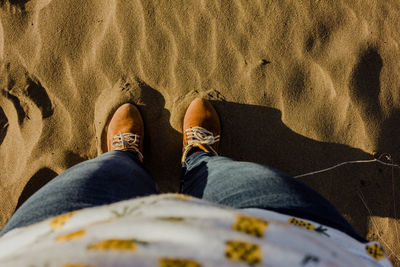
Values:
[(127, 142)]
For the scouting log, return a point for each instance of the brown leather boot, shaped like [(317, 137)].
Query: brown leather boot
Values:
[(201, 128), (126, 130)]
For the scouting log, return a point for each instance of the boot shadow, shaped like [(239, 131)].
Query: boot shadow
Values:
[(162, 143)]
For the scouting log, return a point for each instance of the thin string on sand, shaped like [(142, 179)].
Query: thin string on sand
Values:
[(394, 201), (387, 156)]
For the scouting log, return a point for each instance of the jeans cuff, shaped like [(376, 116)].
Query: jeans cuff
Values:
[(195, 158), (131, 155)]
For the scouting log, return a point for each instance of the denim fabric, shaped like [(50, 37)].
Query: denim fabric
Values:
[(119, 175), (111, 177), (249, 185)]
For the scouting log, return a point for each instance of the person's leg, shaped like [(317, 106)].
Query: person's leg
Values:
[(111, 177), (249, 185)]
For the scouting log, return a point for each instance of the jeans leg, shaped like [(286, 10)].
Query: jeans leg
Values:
[(111, 177), (249, 185)]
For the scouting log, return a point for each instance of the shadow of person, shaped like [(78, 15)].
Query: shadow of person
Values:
[(257, 134)]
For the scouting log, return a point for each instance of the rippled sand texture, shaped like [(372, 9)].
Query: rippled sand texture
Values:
[(300, 85)]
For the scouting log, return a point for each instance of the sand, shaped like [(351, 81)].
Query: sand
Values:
[(299, 85)]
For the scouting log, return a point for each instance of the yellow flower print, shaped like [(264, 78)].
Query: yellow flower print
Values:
[(75, 265), (70, 236), (182, 196), (173, 262), (375, 251), (250, 226), (301, 223), (58, 222), (114, 244), (172, 219), (243, 251)]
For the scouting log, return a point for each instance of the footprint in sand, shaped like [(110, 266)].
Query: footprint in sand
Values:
[(20, 93), (25, 108), (19, 3), (17, 6), (366, 79), (3, 125), (25, 105), (365, 88)]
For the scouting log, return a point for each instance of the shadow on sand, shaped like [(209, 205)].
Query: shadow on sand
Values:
[(257, 134)]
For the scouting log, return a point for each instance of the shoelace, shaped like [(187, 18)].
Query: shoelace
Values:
[(127, 142), (198, 135)]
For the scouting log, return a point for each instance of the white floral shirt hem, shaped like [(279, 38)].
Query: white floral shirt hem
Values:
[(174, 230)]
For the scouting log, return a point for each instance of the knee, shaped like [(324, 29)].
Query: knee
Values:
[(245, 172)]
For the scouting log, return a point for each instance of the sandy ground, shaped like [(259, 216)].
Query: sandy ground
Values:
[(299, 85)]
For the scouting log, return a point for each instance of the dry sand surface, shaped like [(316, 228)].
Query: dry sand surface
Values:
[(299, 85)]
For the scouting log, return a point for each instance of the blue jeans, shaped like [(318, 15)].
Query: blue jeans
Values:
[(119, 175)]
